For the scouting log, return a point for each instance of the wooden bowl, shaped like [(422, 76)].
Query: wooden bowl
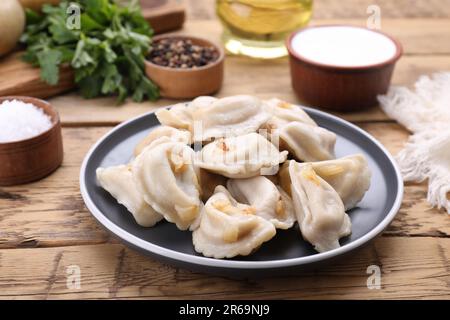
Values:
[(178, 83), (340, 88), (34, 158)]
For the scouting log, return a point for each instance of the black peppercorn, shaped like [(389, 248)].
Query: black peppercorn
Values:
[(181, 53)]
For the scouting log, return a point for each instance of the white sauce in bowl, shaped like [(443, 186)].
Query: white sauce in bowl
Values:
[(343, 46)]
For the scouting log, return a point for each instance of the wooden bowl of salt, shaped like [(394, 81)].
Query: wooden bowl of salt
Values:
[(30, 140)]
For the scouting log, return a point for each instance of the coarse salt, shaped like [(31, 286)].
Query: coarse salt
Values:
[(20, 120), (343, 46)]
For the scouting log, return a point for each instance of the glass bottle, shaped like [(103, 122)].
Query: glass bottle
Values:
[(258, 28)]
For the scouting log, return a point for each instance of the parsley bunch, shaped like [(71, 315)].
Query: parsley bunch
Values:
[(106, 53)]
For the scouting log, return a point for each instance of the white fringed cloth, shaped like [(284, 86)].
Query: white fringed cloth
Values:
[(426, 113)]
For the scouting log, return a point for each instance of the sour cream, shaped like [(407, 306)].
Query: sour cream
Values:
[(343, 46)]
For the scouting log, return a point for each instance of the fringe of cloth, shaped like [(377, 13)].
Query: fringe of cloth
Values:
[(426, 113)]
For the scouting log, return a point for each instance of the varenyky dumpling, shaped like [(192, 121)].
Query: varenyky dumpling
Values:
[(319, 209), (269, 202), (283, 177), (306, 142), (166, 177), (228, 228), (349, 176), (283, 112), (173, 134), (202, 102), (228, 117), (208, 118), (241, 157), (178, 116), (118, 181)]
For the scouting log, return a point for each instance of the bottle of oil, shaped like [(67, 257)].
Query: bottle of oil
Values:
[(258, 28)]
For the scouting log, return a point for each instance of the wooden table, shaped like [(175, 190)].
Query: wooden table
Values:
[(45, 227)]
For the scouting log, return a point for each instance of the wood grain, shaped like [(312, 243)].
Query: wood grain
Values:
[(418, 36), (163, 15), (52, 213), (348, 9), (45, 227), (416, 213), (113, 271), (422, 38), (22, 79), (259, 78)]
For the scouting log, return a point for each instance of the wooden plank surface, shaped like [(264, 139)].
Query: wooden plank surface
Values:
[(422, 40), (348, 9), (389, 9), (163, 15), (45, 227), (51, 212), (76, 111), (113, 271), (22, 79), (418, 36)]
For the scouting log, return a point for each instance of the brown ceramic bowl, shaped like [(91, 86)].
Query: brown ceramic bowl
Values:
[(34, 158), (340, 88), (188, 83)]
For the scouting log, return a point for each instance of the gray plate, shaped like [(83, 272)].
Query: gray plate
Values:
[(286, 252)]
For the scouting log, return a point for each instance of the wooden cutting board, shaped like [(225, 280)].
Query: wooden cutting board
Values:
[(20, 78), (163, 15)]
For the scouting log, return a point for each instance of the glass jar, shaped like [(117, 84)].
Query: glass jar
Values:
[(258, 28)]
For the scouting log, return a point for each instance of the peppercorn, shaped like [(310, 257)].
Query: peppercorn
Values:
[(181, 53)]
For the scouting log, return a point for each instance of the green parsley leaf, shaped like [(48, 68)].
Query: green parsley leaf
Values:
[(49, 61), (107, 53)]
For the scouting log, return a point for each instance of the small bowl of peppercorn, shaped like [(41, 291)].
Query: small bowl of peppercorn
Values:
[(185, 67)]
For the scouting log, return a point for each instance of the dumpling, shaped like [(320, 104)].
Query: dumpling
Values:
[(208, 117), (228, 228), (349, 176), (202, 102), (118, 181), (269, 202), (178, 116), (228, 117), (283, 112), (173, 134), (166, 177), (319, 209), (241, 157), (283, 177), (306, 142)]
